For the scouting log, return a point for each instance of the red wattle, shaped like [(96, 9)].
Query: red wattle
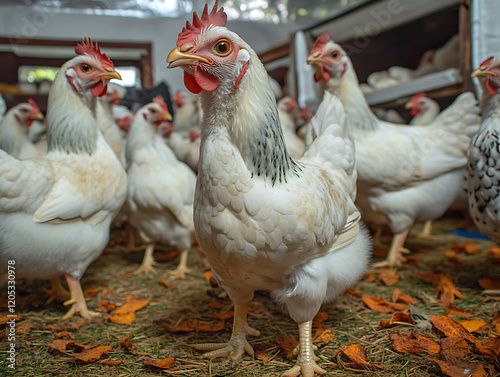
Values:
[(414, 112), (491, 86), (205, 80), (29, 122), (191, 83), (316, 77), (115, 101), (324, 73), (99, 89)]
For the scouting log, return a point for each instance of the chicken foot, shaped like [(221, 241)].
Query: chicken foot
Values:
[(182, 269), (427, 231), (306, 359), (394, 256), (57, 291), (238, 343), (77, 300), (148, 262)]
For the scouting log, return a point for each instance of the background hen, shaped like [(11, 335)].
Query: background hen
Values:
[(56, 210), (406, 174), (265, 220), (160, 188)]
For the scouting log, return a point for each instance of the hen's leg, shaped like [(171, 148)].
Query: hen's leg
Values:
[(306, 360), (238, 343), (182, 269), (377, 237), (427, 231), (394, 255), (148, 261), (77, 301), (57, 291)]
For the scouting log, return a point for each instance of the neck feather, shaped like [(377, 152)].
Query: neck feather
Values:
[(490, 105), (71, 122), (250, 116), (352, 98)]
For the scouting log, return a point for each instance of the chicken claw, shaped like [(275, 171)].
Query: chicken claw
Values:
[(57, 291), (306, 359), (238, 343), (148, 262), (77, 300), (182, 269), (427, 231)]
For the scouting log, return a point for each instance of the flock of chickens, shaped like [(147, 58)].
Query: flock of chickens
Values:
[(269, 211)]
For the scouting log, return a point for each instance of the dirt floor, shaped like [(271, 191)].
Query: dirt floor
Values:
[(193, 299)]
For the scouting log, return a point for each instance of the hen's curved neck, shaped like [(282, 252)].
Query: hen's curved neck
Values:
[(71, 123), (490, 105), (354, 101), (250, 117)]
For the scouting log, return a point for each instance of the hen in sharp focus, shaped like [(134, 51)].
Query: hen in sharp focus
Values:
[(483, 178), (406, 174), (160, 188), (265, 220), (56, 210)]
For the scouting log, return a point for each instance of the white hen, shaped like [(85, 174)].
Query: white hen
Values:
[(56, 210), (265, 220), (14, 129), (160, 188), (406, 174)]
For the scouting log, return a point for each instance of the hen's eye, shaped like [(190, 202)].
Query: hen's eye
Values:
[(85, 68), (152, 111), (223, 48), (335, 54)]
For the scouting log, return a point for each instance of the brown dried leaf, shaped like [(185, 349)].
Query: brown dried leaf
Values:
[(398, 296), (415, 261), (457, 312), (448, 290), (358, 356), (454, 348), (260, 350), (127, 343), (471, 248), (90, 292), (489, 347), (396, 319), (428, 277), (286, 344), (319, 318), (215, 305), (63, 334), (489, 283), (377, 304), (127, 275), (5, 318), (388, 277), (494, 252), (59, 344), (167, 363), (107, 292), (106, 306), (24, 328), (208, 274), (93, 354), (166, 283), (450, 327), (460, 369), (111, 362), (325, 337), (496, 324), (66, 327), (354, 292), (408, 343), (125, 315), (369, 277), (170, 255)]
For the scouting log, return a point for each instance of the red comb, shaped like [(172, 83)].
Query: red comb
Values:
[(214, 18), (417, 96), (487, 61), (85, 47), (322, 40), (159, 100), (34, 105)]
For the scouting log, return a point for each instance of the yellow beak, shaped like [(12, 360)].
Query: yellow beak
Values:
[(37, 116), (311, 59), (166, 116), (109, 75), (176, 58), (409, 105), (480, 72)]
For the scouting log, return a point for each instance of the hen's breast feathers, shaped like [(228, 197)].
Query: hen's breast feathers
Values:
[(53, 191)]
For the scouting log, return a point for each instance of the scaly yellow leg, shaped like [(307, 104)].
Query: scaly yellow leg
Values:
[(77, 300)]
